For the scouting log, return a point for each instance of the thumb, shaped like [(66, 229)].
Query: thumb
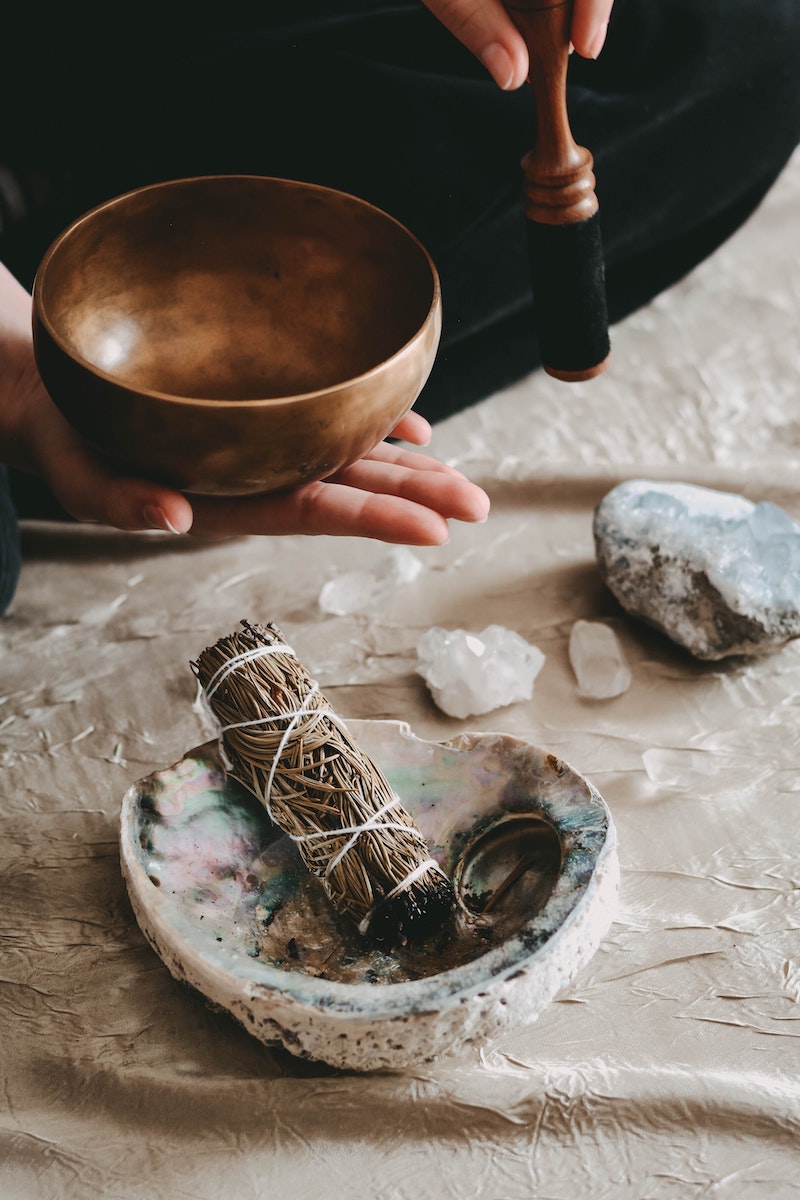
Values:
[(91, 490), (485, 28)]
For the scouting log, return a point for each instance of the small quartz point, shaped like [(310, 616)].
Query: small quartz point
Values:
[(598, 661), (716, 573), (468, 673), (355, 591)]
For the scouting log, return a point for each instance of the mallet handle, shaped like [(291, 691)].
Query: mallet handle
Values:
[(558, 174)]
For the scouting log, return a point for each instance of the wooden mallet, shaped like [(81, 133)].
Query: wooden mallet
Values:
[(564, 243)]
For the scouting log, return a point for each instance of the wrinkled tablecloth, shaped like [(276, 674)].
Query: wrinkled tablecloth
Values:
[(671, 1067)]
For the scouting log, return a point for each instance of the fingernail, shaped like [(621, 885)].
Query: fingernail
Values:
[(598, 41), (156, 518), (499, 65), (571, 48)]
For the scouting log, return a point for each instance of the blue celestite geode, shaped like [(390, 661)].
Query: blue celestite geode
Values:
[(715, 572)]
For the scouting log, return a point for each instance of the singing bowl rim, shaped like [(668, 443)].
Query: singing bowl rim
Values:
[(41, 317)]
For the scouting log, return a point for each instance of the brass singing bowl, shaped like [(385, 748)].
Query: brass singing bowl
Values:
[(235, 334)]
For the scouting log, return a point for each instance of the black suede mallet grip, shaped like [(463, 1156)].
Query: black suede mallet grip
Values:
[(564, 242)]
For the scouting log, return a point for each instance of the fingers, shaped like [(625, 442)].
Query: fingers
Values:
[(419, 479), (323, 508), (413, 428), (394, 495), (485, 28), (392, 455), (589, 26)]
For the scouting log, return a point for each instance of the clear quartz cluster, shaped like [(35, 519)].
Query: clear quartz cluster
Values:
[(715, 572), (472, 673)]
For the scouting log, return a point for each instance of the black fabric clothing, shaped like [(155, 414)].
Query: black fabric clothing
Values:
[(691, 112), (10, 559)]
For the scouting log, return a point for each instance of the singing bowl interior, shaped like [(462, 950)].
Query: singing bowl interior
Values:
[(182, 319)]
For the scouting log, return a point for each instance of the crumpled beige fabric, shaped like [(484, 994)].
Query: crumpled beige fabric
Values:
[(672, 1066)]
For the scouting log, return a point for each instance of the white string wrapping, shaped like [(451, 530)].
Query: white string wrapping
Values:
[(313, 780)]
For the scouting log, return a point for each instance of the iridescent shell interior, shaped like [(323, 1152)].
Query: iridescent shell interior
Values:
[(223, 895)]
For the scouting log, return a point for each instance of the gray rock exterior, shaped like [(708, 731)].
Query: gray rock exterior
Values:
[(716, 573)]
